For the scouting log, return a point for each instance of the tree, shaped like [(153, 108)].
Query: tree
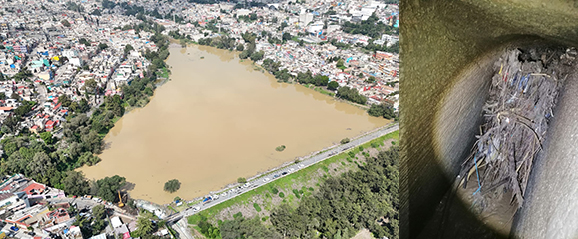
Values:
[(64, 100), (172, 185), (340, 63), (39, 164), (144, 225), (256, 56), (65, 23), (241, 180), (75, 183), (90, 85), (240, 47), (382, 110), (107, 188), (46, 137), (84, 41), (333, 85), (102, 46), (287, 36), (127, 49), (15, 96)]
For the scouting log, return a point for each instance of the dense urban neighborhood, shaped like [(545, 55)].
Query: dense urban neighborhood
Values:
[(69, 70)]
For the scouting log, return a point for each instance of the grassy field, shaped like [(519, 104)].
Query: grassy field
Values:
[(285, 184)]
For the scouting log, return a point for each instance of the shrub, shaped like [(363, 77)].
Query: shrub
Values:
[(346, 140), (296, 192), (256, 206), (281, 195), (241, 180), (274, 191), (280, 148)]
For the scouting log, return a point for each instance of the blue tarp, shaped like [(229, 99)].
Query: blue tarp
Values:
[(349, 59), (12, 66)]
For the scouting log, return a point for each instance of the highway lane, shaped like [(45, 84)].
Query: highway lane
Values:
[(292, 168)]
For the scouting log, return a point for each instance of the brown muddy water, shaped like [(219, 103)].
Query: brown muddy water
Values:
[(219, 119)]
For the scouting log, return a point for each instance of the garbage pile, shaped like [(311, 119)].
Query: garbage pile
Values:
[(520, 104)]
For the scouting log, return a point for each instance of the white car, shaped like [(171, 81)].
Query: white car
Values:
[(197, 208), (266, 180), (291, 170), (216, 196)]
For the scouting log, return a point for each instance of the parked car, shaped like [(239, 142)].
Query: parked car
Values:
[(266, 180), (284, 173)]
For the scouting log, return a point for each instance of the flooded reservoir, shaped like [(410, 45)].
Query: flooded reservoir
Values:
[(219, 119)]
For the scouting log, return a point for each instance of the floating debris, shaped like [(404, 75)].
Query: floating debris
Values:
[(522, 95)]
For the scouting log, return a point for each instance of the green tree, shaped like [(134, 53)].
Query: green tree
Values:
[(287, 36), (108, 187), (84, 41), (333, 85), (145, 226), (2, 95), (46, 137), (102, 46), (340, 63), (75, 183), (127, 49), (172, 185), (241, 180), (65, 23)]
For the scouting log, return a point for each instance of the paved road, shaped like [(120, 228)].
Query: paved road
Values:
[(305, 162)]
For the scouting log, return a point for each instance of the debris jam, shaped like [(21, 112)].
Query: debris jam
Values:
[(520, 105)]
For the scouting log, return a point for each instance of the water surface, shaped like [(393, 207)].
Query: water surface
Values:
[(219, 119)]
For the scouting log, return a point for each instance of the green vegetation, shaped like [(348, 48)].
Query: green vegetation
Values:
[(257, 207), (333, 85), (351, 95), (308, 78), (382, 110), (344, 141), (273, 67), (91, 225), (241, 180), (65, 23), (371, 27), (172, 185), (362, 198), (144, 225), (274, 190), (281, 194), (280, 148)]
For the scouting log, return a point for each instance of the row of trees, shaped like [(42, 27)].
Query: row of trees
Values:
[(351, 95), (382, 110), (343, 205), (274, 68)]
